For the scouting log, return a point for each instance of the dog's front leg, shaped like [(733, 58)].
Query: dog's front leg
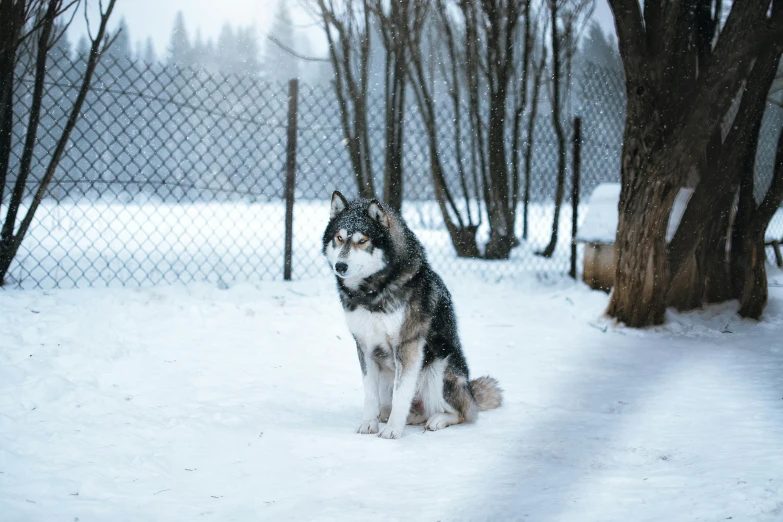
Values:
[(370, 377), (408, 359)]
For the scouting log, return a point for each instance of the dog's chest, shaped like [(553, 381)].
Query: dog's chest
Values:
[(376, 329)]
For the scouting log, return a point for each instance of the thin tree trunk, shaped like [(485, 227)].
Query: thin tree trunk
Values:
[(46, 25), (9, 246), (501, 23), (395, 107), (11, 22), (463, 235), (557, 122), (754, 290), (531, 129)]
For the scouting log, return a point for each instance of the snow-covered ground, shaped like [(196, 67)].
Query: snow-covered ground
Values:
[(192, 402), (145, 243)]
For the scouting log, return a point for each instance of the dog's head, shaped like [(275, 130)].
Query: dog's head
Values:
[(357, 239)]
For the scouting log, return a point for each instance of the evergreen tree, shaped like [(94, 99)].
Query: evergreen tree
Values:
[(121, 48), (180, 51), (313, 73), (227, 50), (82, 47), (248, 63), (63, 48), (199, 49), (281, 65), (600, 50), (150, 57)]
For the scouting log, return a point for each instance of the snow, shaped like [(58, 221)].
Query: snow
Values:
[(190, 402), (600, 223), (144, 243)]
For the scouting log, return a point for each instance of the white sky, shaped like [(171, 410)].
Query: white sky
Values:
[(155, 19)]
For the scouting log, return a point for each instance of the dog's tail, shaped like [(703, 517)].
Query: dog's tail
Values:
[(488, 393)]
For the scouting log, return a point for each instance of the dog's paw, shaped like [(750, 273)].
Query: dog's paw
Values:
[(440, 421), (369, 426), (390, 433)]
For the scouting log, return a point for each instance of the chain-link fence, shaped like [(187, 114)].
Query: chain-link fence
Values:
[(177, 175)]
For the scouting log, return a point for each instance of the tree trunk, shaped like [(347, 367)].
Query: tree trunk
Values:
[(753, 298), (641, 275), (395, 110), (561, 139), (725, 163), (11, 22), (463, 235), (754, 277), (646, 197), (677, 95), (714, 254)]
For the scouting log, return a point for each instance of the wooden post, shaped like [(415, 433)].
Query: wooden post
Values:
[(290, 175), (575, 191)]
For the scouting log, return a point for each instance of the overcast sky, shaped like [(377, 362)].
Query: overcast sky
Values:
[(155, 18)]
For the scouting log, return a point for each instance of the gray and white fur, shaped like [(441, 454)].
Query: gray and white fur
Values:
[(402, 318)]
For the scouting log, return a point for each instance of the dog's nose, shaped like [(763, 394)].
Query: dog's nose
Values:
[(341, 268)]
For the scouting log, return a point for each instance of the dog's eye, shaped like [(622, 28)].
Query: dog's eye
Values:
[(362, 241), (339, 238)]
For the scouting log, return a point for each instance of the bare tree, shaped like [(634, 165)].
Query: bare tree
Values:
[(396, 18), (490, 46), (460, 224), (349, 28), (568, 18), (20, 21), (346, 24), (681, 81)]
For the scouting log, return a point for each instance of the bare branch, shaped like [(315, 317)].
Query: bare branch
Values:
[(92, 62), (293, 53)]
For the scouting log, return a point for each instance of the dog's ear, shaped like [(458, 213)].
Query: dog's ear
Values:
[(378, 213), (338, 204)]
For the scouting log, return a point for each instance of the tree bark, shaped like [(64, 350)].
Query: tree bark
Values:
[(753, 298), (12, 16), (500, 22), (666, 121)]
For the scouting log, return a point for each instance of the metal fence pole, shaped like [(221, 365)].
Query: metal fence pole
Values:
[(575, 191), (290, 175)]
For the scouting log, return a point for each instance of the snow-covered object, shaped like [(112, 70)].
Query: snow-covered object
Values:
[(600, 223)]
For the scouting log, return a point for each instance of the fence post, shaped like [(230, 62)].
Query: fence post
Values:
[(575, 191), (290, 175)]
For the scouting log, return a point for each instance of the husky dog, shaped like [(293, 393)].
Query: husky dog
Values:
[(401, 316)]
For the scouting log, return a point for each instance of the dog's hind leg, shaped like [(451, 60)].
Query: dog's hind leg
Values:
[(408, 360), (456, 390), (442, 420)]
